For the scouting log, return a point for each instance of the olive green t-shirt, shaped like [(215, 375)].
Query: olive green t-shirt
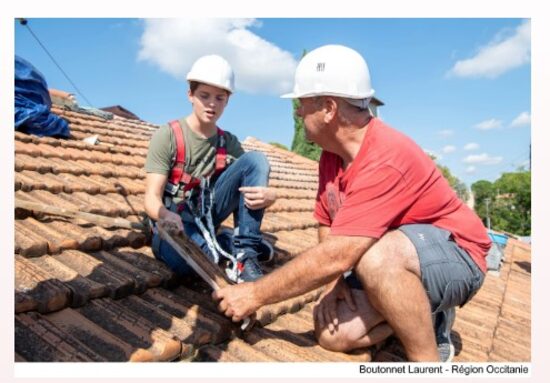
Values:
[(200, 153)]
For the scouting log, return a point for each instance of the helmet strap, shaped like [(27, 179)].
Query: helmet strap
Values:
[(362, 103)]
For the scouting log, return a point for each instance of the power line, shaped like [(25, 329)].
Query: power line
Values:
[(25, 23)]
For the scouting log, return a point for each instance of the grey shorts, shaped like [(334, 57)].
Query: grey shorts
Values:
[(449, 275)]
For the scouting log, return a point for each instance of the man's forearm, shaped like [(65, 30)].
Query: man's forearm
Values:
[(154, 207), (313, 268), (323, 233)]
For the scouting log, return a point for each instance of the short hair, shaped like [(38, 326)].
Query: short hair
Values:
[(347, 112), (193, 85)]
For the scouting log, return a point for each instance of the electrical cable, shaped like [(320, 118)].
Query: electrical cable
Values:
[(25, 23)]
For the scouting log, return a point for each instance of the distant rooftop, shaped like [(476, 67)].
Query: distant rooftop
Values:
[(121, 112)]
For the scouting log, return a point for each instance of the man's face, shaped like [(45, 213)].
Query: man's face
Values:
[(310, 111), (208, 103)]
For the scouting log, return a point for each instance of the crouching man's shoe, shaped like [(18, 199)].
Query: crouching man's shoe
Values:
[(443, 324)]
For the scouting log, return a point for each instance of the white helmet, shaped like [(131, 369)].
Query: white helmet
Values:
[(213, 70), (332, 70)]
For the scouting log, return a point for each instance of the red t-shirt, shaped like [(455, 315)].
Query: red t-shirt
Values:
[(390, 183)]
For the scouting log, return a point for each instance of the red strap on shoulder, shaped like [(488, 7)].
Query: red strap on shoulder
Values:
[(178, 174), (177, 170), (221, 152)]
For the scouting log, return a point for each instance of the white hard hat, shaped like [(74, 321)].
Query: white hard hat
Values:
[(213, 70), (332, 70)]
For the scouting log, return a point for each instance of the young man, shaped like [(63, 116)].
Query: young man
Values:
[(386, 213), (237, 180)]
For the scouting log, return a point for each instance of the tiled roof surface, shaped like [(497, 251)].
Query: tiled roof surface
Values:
[(90, 293)]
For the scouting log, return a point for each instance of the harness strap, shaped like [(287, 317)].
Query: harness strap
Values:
[(178, 174), (221, 152), (203, 219), (178, 168)]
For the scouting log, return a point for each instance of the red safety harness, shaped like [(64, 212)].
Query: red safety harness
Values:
[(178, 176)]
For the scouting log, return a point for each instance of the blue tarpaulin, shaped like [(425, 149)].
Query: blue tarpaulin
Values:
[(33, 103), (499, 239)]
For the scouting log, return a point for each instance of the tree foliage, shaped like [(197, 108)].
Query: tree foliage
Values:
[(300, 145), (455, 183), (507, 201), (278, 145), (458, 186)]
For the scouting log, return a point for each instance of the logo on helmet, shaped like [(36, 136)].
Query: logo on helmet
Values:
[(320, 67)]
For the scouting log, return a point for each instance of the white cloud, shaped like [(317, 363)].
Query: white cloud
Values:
[(448, 149), (445, 133), (471, 146), (499, 56), (260, 66), (470, 169), (524, 119), (493, 123), (482, 159)]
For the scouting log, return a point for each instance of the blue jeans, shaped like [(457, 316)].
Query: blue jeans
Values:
[(251, 169)]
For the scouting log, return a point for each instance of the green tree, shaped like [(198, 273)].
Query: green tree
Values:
[(512, 205), (482, 189), (484, 196), (456, 184), (508, 201), (300, 145), (278, 145)]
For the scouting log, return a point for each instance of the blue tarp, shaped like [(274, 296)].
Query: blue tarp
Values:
[(500, 239), (33, 103)]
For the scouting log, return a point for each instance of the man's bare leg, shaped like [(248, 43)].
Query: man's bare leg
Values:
[(356, 329), (390, 274)]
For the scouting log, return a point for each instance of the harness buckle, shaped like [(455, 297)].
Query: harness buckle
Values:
[(171, 188)]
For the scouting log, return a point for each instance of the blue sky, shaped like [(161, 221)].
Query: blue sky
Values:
[(461, 88)]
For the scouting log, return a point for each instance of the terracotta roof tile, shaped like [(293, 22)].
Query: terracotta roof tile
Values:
[(36, 290), (32, 344), (27, 242), (82, 289)]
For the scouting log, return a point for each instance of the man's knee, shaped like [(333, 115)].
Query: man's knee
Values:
[(347, 338), (256, 160), (392, 253), (354, 327), (339, 340)]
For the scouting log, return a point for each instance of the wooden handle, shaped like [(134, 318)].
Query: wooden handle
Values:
[(194, 256), (199, 261), (93, 218)]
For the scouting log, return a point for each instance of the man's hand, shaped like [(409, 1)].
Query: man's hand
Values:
[(325, 311), (237, 301), (258, 197), (167, 217)]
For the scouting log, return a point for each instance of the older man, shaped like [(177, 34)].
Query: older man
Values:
[(398, 249)]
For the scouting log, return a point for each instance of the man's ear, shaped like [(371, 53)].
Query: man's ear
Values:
[(190, 96), (330, 106)]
